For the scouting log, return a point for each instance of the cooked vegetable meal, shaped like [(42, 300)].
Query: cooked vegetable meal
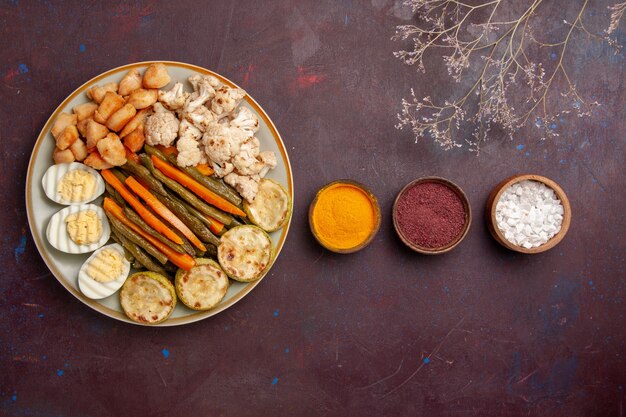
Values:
[(184, 190)]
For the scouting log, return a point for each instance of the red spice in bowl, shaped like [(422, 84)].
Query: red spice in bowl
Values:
[(431, 215)]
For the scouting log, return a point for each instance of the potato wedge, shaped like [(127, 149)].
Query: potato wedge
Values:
[(135, 139), (112, 150), (134, 122), (82, 126), (120, 118), (68, 137), (79, 149), (97, 93), (63, 121), (141, 98), (112, 102), (130, 82), (85, 110), (95, 131), (62, 156), (95, 161), (156, 76)]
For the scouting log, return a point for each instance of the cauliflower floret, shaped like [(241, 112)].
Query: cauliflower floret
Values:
[(208, 80), (222, 142), (189, 152), (245, 120), (175, 98), (247, 186), (200, 117), (161, 127), (226, 100), (269, 161), (223, 169), (246, 162)]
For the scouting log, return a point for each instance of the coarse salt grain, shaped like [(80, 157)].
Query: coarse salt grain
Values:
[(529, 214)]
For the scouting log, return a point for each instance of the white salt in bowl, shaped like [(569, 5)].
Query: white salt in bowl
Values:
[(494, 197)]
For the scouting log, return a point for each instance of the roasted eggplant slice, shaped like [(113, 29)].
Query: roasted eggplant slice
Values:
[(271, 207), (245, 253), (148, 297), (203, 286)]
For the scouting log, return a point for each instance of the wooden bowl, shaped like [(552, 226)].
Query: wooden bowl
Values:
[(466, 206), (375, 206), (492, 201)]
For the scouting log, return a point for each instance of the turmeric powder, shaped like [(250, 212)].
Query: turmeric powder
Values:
[(343, 217)]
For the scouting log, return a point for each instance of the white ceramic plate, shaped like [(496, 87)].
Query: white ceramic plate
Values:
[(40, 209)]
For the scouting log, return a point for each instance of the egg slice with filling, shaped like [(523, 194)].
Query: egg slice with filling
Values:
[(72, 184), (78, 229), (104, 272)]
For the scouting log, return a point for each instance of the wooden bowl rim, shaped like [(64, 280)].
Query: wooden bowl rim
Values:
[(466, 205), (495, 195), (365, 189)]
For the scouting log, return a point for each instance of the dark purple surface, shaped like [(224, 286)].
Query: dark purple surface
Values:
[(479, 331)]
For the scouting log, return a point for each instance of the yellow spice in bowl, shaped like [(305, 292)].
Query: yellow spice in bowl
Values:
[(343, 216)]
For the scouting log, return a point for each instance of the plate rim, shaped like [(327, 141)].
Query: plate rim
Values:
[(93, 304)]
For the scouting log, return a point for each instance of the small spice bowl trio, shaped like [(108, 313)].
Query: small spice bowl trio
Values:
[(431, 215)]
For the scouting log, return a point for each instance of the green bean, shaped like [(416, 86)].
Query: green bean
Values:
[(135, 218), (118, 174), (211, 251), (138, 265), (144, 174), (190, 220), (141, 257), (114, 194), (212, 184), (187, 246), (187, 195), (203, 217), (135, 238)]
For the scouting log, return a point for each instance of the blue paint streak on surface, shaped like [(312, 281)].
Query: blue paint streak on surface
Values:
[(14, 397), (60, 372), (562, 161), (426, 360), (553, 126), (22, 69), (276, 312), (345, 20), (553, 55), (275, 380), (166, 353), (286, 350), (590, 282), (19, 250), (446, 289), (520, 147), (527, 154), (41, 315), (82, 47)]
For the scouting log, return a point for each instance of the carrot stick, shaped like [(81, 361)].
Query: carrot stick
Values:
[(163, 211), (145, 214), (183, 261), (216, 227), (204, 169), (188, 182)]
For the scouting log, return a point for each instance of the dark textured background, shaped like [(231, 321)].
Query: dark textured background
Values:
[(479, 331)]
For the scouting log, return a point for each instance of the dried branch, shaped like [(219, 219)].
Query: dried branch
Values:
[(505, 87)]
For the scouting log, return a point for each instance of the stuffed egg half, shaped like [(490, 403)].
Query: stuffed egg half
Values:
[(104, 272), (72, 183)]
